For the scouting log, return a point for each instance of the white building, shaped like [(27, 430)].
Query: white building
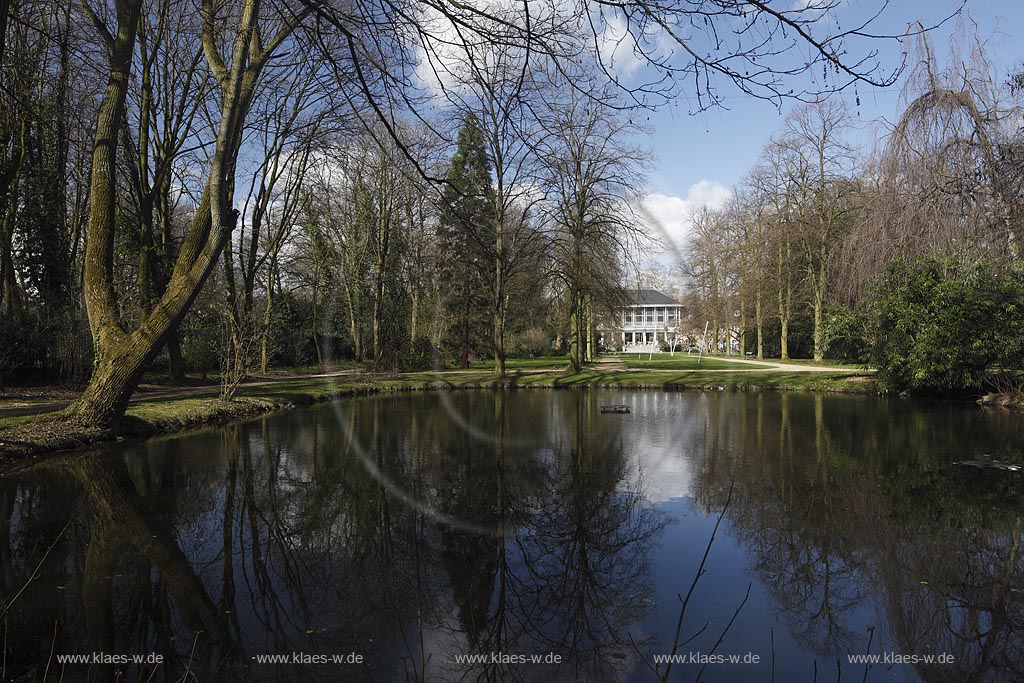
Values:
[(651, 319)]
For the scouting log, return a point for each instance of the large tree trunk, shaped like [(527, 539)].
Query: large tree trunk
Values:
[(464, 341), (120, 355), (498, 328), (576, 327), (819, 305), (119, 358), (818, 337), (759, 322), (414, 314), (591, 336), (176, 364)]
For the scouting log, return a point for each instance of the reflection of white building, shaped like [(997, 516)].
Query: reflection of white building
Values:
[(652, 318)]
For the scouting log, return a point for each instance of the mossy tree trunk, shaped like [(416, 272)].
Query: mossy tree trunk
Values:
[(121, 354)]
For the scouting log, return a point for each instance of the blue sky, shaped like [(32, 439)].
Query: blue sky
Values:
[(696, 159)]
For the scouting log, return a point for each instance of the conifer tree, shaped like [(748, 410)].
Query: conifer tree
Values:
[(467, 233)]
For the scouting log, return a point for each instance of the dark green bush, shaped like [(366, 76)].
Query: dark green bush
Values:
[(942, 324), (421, 356), (845, 330)]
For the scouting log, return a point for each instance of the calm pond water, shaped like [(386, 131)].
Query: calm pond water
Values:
[(410, 531)]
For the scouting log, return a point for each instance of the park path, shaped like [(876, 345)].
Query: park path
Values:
[(615, 363), (610, 363), (787, 367)]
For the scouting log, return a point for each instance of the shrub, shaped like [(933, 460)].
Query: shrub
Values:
[(421, 356), (531, 343), (844, 331), (940, 324)]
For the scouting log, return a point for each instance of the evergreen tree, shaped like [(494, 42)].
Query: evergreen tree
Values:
[(467, 235)]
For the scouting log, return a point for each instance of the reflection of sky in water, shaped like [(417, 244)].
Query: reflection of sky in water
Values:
[(845, 515), (655, 447)]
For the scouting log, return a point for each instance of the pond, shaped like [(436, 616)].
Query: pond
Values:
[(527, 536)]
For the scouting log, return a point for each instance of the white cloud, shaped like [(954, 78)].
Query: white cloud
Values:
[(669, 216), (616, 47), (442, 50)]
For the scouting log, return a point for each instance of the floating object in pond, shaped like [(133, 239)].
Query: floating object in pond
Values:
[(615, 408), (990, 465)]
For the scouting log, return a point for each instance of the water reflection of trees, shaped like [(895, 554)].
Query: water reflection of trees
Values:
[(842, 506), (274, 537), (591, 550), (568, 546)]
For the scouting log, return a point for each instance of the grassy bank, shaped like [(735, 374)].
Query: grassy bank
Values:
[(27, 436)]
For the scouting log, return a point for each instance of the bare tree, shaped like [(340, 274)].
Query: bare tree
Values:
[(943, 172), (169, 89), (818, 163), (750, 217), (705, 267), (777, 203), (287, 132), (592, 180), (122, 352), (499, 86)]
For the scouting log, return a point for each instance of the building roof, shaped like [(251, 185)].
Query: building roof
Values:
[(650, 297)]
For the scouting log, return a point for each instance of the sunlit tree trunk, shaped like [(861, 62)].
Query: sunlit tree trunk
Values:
[(120, 354), (759, 323)]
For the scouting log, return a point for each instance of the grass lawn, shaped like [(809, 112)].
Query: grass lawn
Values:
[(522, 363)]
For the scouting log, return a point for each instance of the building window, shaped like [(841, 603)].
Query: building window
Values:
[(661, 315)]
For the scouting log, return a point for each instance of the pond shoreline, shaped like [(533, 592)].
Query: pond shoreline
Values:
[(37, 436)]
